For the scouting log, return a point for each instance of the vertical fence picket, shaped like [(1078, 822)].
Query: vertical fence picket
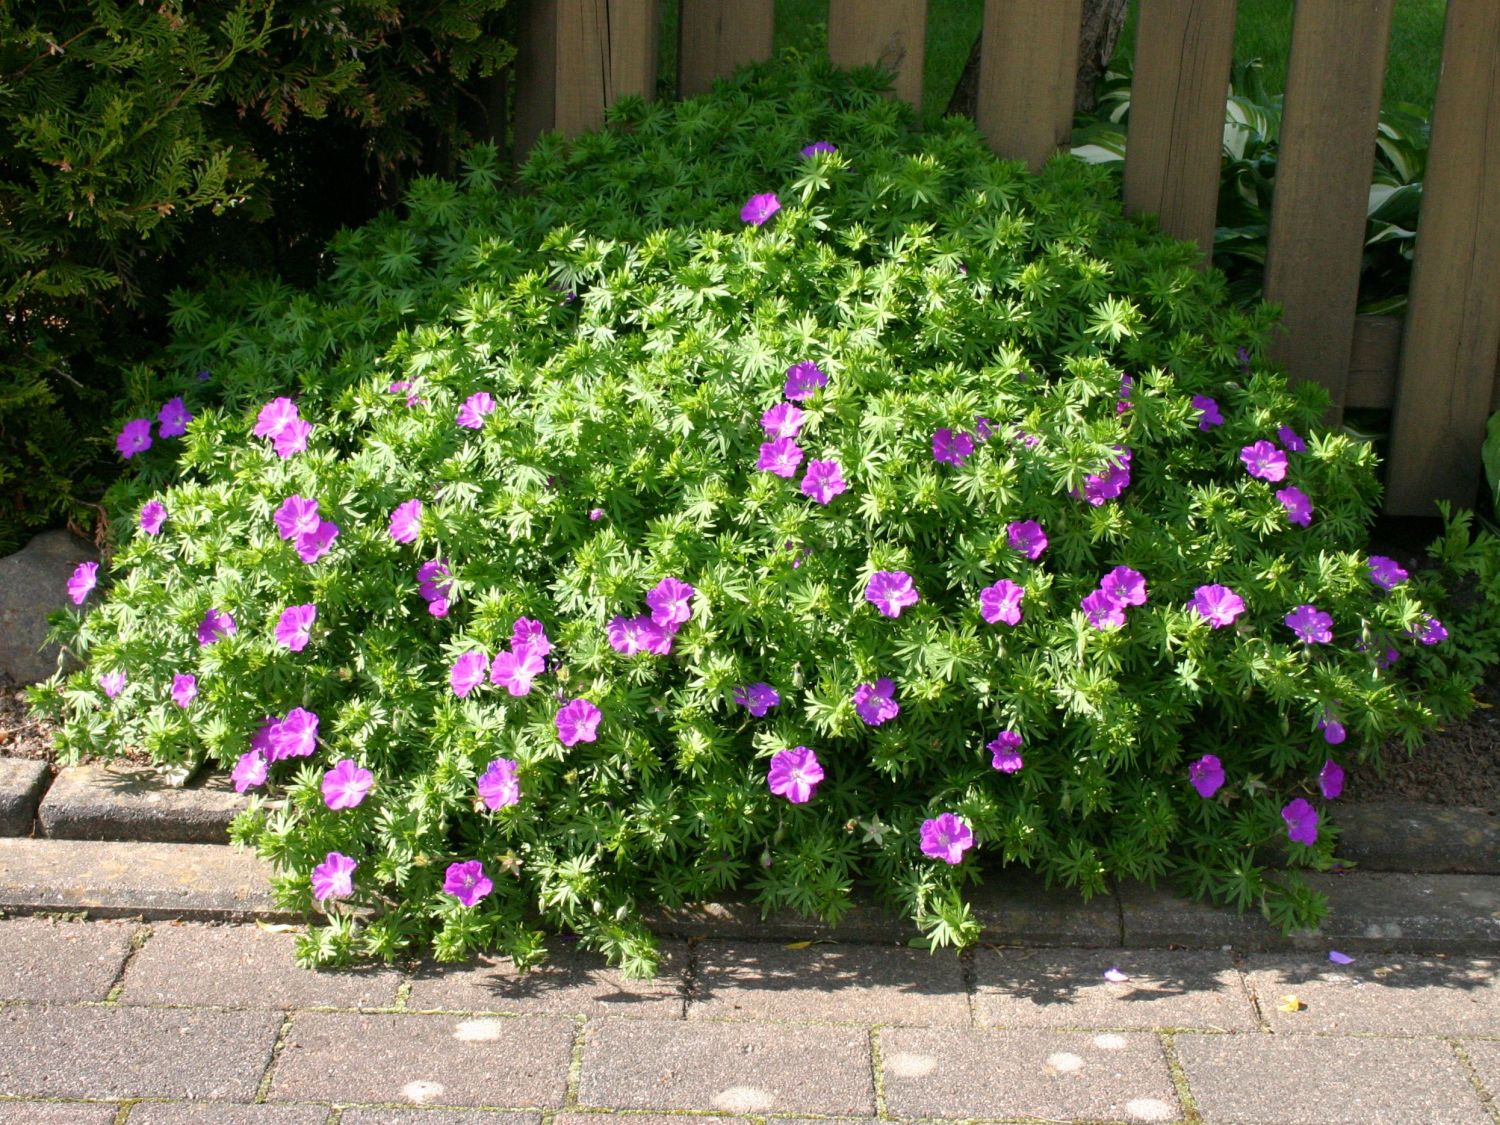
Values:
[(535, 75), (716, 37), (891, 34), (1323, 172), (1183, 54), (1453, 326), (1028, 68), (605, 50)]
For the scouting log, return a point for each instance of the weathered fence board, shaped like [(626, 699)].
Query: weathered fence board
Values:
[(1453, 328), (536, 76), (891, 34), (1375, 365), (715, 37), (1028, 66), (1182, 59), (605, 49)]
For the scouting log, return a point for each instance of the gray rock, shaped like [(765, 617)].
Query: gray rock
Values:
[(34, 582), (22, 783)]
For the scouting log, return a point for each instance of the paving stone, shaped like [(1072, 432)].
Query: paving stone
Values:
[(1440, 913), (933, 1072), (868, 984), (61, 961), (513, 1061), (1380, 993), (669, 1119), (57, 1113), (1486, 1059), (245, 967), (1158, 916), (120, 801), (1406, 836), (22, 783), (369, 1116), (1015, 907), (1066, 988), (221, 1113), (729, 1067), (1326, 1080), (113, 879), (131, 1052), (569, 982)]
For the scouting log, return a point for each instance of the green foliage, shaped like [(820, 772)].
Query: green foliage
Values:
[(632, 330)]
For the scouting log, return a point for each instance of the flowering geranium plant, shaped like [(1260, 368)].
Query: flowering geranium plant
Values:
[(622, 542)]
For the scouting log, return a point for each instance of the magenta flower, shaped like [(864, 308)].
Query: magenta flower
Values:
[(1207, 775), (430, 581), (759, 208), (596, 514), (1218, 605), (345, 786), (1301, 822), (671, 603), (315, 544), (1005, 752), (945, 837), (783, 420), (184, 689), (1433, 631), (530, 632), (1103, 610), (1001, 602), (405, 521), (293, 439), (1331, 780), (781, 457), (1386, 573), (295, 736), (794, 774), (261, 739), (216, 623), (818, 146), (515, 669), (476, 408), (1127, 386), (1333, 730), (1027, 537), (1311, 625), (468, 672), (113, 683), (876, 703), (803, 380), (822, 481), (134, 438), (408, 388), (1290, 438), (1208, 411), (294, 629), (250, 772), (467, 882), (334, 877), (275, 416), (1299, 508), (153, 515), (173, 418), (630, 635), (1097, 488), (578, 721), (1126, 586), (757, 698), (950, 448), (82, 581), (1264, 460), (891, 591), (297, 515), (499, 785)]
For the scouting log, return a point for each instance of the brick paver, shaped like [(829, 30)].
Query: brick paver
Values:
[(61, 961), (220, 1113), (374, 1116), (57, 1113)]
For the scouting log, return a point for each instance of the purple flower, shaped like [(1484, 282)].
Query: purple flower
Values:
[(205, 375), (1027, 537), (794, 774), (951, 449), (876, 703), (275, 416), (1206, 775), (1218, 605), (82, 581), (514, 670), (297, 516), (315, 544), (759, 208), (295, 736), (818, 146), (1331, 780), (1299, 509), (184, 689), (1432, 632), (822, 481), (430, 582), (1111, 483), (596, 514), (409, 389), (783, 420), (1264, 460), (1127, 385), (630, 635), (113, 683), (891, 591), (1289, 438), (345, 786), (295, 627), (1126, 586), (1001, 602), (781, 457), (293, 439), (1208, 410), (173, 418), (499, 785), (1386, 573), (468, 672), (1103, 610), (532, 633), (153, 515), (671, 603), (476, 407), (405, 520), (1311, 625), (1333, 730), (134, 438), (216, 623), (261, 739), (946, 838), (983, 429), (803, 380), (757, 698), (1005, 752), (578, 721), (334, 877), (250, 772), (1301, 822), (467, 882), (1242, 355)]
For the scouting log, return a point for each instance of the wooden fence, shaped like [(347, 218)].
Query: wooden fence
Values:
[(1437, 370)]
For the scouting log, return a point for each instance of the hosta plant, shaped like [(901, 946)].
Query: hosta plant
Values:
[(769, 499)]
